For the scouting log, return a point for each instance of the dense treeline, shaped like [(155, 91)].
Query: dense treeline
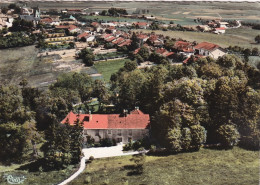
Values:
[(205, 101), (29, 118), (16, 39), (255, 26), (116, 12)]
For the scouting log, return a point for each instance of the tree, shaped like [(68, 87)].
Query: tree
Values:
[(80, 82), (257, 39), (4, 10), (255, 52), (228, 135), (135, 42), (71, 45), (130, 65), (87, 56), (100, 91), (198, 135), (144, 53), (104, 13), (11, 106), (173, 138), (77, 138), (12, 6), (13, 142), (186, 139)]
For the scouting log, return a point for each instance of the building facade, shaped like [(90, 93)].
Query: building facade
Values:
[(122, 128)]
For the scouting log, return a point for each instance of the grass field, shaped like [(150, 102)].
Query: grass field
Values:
[(22, 62), (107, 68), (214, 167), (232, 38), (36, 178)]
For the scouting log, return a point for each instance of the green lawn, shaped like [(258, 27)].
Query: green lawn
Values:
[(107, 68), (35, 178), (214, 167), (233, 37)]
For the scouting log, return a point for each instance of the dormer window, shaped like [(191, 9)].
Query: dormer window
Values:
[(86, 118)]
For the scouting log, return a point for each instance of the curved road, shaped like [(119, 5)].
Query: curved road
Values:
[(100, 152)]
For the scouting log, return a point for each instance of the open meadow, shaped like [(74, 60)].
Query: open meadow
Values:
[(214, 167), (19, 63), (107, 68)]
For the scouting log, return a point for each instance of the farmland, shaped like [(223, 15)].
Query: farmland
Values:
[(243, 37), (236, 166), (181, 12)]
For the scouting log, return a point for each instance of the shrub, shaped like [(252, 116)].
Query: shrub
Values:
[(186, 139), (87, 180), (91, 158), (198, 136), (228, 135)]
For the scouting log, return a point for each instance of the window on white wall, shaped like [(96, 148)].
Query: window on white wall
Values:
[(119, 132), (130, 132), (97, 133), (109, 132)]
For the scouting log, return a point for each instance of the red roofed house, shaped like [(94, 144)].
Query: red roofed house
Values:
[(209, 49), (122, 128), (82, 35), (184, 48), (73, 29), (220, 30), (142, 25), (127, 42)]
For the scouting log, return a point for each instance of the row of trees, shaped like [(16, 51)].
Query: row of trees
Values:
[(116, 12), (17, 39)]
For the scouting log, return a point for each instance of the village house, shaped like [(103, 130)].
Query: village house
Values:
[(209, 49), (122, 128), (141, 25), (184, 48), (220, 30)]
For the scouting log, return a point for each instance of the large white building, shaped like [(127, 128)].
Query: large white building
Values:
[(122, 128), (209, 49)]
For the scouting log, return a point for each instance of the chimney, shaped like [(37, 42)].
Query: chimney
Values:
[(125, 112), (136, 108), (90, 115)]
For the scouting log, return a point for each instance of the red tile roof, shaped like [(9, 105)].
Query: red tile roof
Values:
[(169, 54), (181, 44), (140, 23), (46, 20), (125, 43), (62, 27), (136, 51), (109, 39), (207, 46), (153, 38), (72, 27), (107, 35), (135, 120), (160, 50), (221, 28), (84, 34), (141, 36), (118, 40), (94, 24)]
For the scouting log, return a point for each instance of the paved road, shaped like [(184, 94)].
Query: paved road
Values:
[(100, 152)]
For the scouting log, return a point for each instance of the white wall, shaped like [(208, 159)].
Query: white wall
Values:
[(124, 134)]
